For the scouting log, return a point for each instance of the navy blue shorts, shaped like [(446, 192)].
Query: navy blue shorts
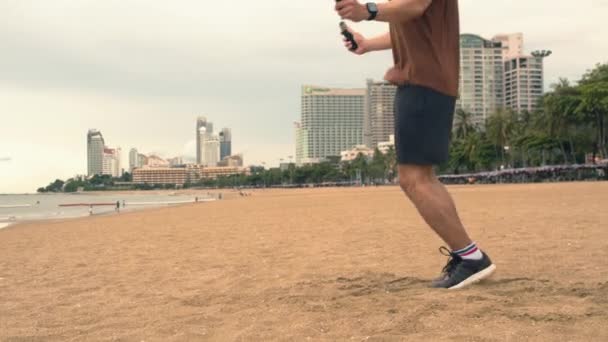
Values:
[(423, 125)]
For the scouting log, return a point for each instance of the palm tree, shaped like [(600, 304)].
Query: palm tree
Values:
[(391, 163), (500, 127), (594, 105), (463, 123), (560, 115), (457, 156)]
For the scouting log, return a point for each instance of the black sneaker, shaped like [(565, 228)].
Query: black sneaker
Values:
[(453, 261), (459, 273)]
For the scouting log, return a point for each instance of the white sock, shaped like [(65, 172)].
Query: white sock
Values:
[(470, 252)]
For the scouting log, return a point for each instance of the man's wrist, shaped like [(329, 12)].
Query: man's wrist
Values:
[(364, 47), (372, 10), (372, 45)]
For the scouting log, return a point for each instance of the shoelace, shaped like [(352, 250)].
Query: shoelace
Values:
[(454, 260)]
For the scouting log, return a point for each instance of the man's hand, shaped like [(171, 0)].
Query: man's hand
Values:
[(394, 76), (361, 42), (352, 10)]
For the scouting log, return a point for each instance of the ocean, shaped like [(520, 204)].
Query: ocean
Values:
[(20, 208)]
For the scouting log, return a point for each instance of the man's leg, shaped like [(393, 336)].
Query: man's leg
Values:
[(468, 264), (423, 123), (434, 204)]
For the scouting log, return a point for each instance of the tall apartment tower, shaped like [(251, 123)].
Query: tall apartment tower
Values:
[(111, 162), (523, 74), (203, 127), (95, 152), (332, 121), (481, 77), (379, 113), (211, 150), (133, 159), (523, 82), (301, 135), (512, 44), (225, 143)]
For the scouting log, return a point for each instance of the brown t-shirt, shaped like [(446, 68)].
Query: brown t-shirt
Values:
[(427, 49)]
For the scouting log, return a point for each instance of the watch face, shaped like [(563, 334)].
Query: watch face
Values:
[(372, 7)]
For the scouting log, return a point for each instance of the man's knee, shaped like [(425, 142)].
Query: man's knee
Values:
[(412, 176)]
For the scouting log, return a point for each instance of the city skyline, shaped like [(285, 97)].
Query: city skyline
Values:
[(103, 160), (117, 74)]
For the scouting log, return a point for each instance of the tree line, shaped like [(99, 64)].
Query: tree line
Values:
[(569, 124)]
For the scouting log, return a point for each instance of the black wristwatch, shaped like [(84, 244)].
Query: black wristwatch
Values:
[(372, 9)]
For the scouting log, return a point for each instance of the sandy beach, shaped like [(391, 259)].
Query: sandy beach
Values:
[(312, 264)]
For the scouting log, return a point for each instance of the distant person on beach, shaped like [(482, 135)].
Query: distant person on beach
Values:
[(424, 36), (117, 206)]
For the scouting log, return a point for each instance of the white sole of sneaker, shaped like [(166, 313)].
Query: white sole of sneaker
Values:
[(475, 278)]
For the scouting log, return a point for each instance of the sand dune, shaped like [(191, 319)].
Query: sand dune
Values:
[(314, 264)]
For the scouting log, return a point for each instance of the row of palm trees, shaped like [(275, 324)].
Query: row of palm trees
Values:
[(569, 125)]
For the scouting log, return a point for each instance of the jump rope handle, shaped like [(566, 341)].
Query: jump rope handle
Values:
[(349, 36)]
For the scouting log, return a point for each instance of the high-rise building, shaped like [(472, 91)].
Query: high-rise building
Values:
[(95, 149), (225, 143), (379, 112), (301, 135), (142, 159), (119, 170), (134, 160), (481, 77), (512, 44), (201, 136), (203, 127), (111, 162), (211, 150), (523, 82), (332, 121)]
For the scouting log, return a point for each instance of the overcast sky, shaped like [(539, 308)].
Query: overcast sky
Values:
[(141, 71)]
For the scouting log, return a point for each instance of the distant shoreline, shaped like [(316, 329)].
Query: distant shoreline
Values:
[(15, 224), (136, 202), (129, 192)]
